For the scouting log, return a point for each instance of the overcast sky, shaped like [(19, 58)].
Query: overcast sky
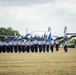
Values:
[(38, 15)]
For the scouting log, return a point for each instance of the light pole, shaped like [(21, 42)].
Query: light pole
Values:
[(26, 31), (14, 33)]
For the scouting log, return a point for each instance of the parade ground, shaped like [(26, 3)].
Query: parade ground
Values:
[(44, 63)]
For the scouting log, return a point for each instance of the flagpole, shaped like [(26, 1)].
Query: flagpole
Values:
[(49, 31), (65, 32), (26, 31)]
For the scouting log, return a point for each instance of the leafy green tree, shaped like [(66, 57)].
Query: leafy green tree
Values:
[(8, 31)]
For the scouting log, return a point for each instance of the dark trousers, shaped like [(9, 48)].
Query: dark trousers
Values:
[(27, 48), (32, 48), (47, 48), (11, 48), (23, 48), (7, 48), (65, 48), (40, 48), (43, 47), (19, 48), (52, 48), (0, 49), (3, 48), (15, 48), (36, 48), (57, 47)]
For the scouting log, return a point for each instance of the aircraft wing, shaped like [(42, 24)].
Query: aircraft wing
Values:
[(59, 38), (69, 38), (70, 33), (4, 37)]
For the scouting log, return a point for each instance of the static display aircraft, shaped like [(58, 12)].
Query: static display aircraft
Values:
[(47, 35), (4, 37), (66, 34)]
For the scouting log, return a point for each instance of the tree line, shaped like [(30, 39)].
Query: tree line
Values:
[(8, 31)]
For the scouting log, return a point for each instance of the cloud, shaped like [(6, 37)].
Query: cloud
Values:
[(67, 5), (40, 11), (23, 2), (36, 13)]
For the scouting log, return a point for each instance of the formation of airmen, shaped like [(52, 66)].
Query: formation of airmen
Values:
[(33, 45)]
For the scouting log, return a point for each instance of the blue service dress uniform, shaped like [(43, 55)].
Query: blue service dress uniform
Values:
[(47, 46), (57, 45), (0, 46), (27, 46), (44, 45), (19, 46), (40, 45), (15, 46), (52, 45), (36, 45), (32, 46), (23, 46), (11, 46)]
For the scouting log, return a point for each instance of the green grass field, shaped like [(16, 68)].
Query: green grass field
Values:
[(57, 63)]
